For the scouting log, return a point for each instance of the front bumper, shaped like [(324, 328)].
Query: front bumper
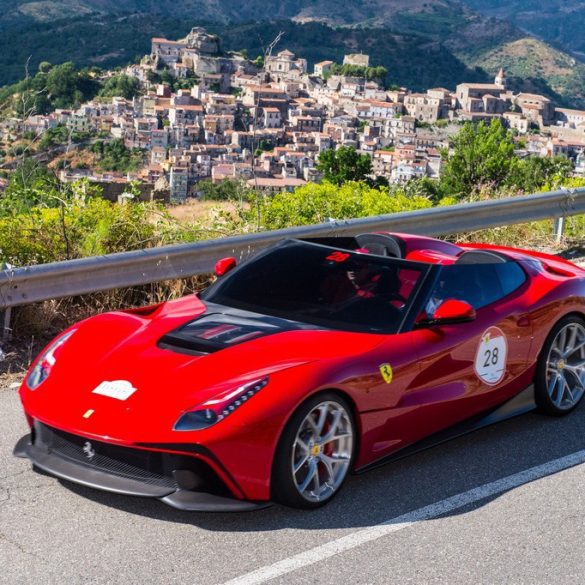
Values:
[(180, 481)]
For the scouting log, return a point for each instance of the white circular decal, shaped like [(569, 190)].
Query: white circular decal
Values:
[(490, 361)]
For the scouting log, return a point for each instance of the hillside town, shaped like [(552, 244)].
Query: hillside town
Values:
[(265, 122)]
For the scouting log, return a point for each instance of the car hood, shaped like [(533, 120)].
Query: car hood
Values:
[(169, 380)]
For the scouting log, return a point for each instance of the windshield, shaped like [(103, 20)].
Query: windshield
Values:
[(316, 284)]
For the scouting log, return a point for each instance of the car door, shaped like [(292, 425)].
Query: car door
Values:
[(465, 368)]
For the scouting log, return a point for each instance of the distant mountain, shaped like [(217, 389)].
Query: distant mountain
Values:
[(423, 43), (373, 12), (560, 22)]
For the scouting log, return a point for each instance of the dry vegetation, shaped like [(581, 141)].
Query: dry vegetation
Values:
[(195, 211)]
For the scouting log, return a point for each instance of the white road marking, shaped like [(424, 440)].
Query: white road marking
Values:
[(355, 539)]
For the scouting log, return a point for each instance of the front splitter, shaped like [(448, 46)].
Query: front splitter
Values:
[(83, 475)]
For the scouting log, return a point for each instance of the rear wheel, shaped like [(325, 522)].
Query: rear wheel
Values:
[(315, 453), (560, 373)]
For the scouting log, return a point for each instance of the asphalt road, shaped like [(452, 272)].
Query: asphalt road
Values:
[(53, 532)]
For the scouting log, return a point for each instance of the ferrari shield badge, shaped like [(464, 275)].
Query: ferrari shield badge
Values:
[(490, 360), (387, 374), (118, 389)]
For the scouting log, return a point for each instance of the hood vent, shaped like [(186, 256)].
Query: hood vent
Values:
[(214, 332)]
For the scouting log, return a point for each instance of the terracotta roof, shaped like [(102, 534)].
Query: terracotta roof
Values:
[(381, 104), (276, 182), (188, 108), (167, 42), (263, 89), (482, 86), (571, 112), (532, 96)]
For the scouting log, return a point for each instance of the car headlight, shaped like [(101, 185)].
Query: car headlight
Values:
[(218, 408), (46, 361)]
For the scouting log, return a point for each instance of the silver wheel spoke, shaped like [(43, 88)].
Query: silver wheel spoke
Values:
[(577, 366), (576, 374), (323, 412), (562, 343), (316, 483), (570, 342), (574, 349), (335, 438), (327, 463), (561, 390), (300, 443), (309, 477), (298, 465), (552, 384)]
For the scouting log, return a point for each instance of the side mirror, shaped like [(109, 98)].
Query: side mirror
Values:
[(449, 312), (224, 265)]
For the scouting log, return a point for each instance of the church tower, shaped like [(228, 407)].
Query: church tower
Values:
[(500, 79)]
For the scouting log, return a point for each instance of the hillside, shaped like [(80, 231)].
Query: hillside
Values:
[(422, 43), (529, 61), (559, 22), (353, 12)]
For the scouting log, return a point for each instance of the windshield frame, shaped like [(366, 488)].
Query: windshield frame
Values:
[(411, 311)]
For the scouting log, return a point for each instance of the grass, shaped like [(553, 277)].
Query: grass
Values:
[(195, 211)]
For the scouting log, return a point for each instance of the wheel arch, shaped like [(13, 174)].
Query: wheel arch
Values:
[(575, 313)]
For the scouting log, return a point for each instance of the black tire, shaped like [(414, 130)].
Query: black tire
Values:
[(285, 486), (557, 388)]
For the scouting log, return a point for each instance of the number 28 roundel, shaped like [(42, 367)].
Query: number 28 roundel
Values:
[(490, 360)]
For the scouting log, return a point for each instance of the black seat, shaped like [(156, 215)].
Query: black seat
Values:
[(382, 244)]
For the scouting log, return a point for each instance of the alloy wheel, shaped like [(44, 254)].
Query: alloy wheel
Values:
[(321, 452), (565, 367)]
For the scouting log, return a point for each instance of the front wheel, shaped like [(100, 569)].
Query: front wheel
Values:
[(315, 453), (560, 373)]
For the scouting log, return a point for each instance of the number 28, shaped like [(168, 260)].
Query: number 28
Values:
[(491, 357)]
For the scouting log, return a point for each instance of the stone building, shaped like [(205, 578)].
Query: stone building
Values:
[(359, 59), (286, 65)]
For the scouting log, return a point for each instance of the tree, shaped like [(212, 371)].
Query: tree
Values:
[(58, 86), (66, 87), (115, 156), (228, 190), (483, 154), (535, 172), (121, 86), (344, 164)]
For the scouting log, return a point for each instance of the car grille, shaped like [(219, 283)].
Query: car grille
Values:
[(149, 467)]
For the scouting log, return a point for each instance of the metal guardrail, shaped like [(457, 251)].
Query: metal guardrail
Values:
[(22, 286)]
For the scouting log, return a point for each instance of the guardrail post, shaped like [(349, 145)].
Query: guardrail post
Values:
[(6, 329), (559, 228)]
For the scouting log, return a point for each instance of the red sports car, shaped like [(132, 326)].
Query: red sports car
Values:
[(313, 359)]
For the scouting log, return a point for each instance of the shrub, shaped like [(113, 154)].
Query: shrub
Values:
[(315, 203)]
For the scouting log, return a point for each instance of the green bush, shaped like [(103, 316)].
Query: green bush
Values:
[(313, 203), (115, 156), (75, 222)]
